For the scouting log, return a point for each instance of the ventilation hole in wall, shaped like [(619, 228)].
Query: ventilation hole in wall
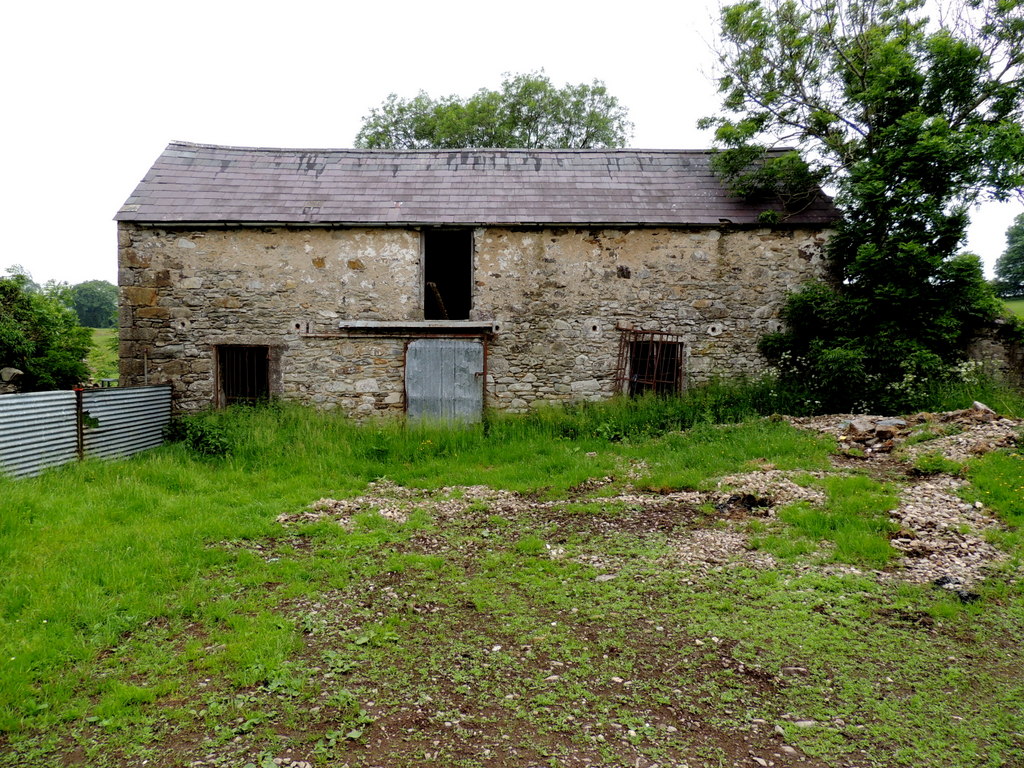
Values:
[(497, 327), (593, 328), (715, 329), (298, 326)]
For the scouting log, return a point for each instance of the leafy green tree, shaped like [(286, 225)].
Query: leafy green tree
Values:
[(527, 111), (910, 120), (1010, 266), (95, 302), (40, 335), (30, 285)]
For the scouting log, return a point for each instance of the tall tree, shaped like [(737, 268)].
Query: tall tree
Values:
[(95, 302), (527, 111), (1010, 266), (910, 120), (40, 335)]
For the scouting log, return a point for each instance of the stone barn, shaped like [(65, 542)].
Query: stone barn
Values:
[(442, 282)]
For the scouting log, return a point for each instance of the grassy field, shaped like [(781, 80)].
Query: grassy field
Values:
[(514, 595), (102, 358), (1016, 306)]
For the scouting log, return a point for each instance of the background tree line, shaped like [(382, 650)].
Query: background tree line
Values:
[(45, 329), (1010, 267)]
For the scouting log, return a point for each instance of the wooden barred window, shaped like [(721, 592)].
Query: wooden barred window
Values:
[(651, 361), (244, 374)]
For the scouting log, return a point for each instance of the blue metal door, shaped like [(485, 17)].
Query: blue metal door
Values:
[(444, 379)]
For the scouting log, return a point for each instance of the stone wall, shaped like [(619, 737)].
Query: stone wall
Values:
[(556, 297), (1000, 351), (10, 380), (560, 296)]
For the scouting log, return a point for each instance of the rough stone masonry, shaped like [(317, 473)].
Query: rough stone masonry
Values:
[(556, 298)]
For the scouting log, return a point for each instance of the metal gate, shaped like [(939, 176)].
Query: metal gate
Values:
[(444, 379)]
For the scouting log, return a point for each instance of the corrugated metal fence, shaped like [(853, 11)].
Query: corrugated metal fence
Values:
[(47, 429)]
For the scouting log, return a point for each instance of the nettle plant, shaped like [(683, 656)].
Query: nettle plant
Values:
[(910, 120)]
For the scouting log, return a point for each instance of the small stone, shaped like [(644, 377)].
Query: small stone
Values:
[(861, 427), (794, 671), (789, 750), (899, 423), (760, 761), (804, 723), (605, 577), (779, 730)]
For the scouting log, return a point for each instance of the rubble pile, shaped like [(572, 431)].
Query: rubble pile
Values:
[(956, 435)]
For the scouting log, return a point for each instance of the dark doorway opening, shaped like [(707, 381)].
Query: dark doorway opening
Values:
[(244, 374), (447, 274), (651, 361)]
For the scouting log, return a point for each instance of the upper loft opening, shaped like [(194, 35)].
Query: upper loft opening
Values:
[(447, 274)]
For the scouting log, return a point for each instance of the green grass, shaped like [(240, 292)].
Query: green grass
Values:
[(102, 357), (951, 396), (159, 597), (695, 458), (1016, 306), (853, 520), (997, 480)]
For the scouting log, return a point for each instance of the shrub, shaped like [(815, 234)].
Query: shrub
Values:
[(200, 434)]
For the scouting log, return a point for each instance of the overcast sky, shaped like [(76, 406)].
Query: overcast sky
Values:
[(94, 91)]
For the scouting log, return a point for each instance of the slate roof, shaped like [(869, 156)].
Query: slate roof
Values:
[(202, 183)]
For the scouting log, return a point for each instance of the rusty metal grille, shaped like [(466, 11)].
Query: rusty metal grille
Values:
[(650, 361), (244, 374)]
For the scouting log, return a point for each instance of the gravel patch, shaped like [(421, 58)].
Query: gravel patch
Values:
[(941, 537)]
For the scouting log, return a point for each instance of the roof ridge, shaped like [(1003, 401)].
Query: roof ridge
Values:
[(545, 150)]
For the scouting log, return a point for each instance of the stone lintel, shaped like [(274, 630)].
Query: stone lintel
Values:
[(417, 326)]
